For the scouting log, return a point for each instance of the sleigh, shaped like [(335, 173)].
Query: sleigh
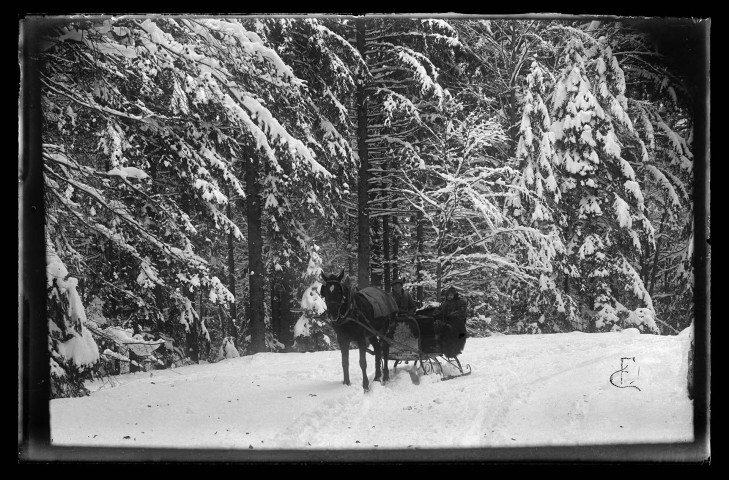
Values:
[(362, 315), (417, 338)]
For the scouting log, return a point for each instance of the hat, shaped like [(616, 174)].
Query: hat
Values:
[(396, 281)]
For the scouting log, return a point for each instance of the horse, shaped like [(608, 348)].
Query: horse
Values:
[(353, 319)]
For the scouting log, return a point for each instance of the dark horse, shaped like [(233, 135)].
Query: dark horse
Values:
[(353, 319)]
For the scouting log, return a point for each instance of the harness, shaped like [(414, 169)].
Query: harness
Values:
[(342, 318)]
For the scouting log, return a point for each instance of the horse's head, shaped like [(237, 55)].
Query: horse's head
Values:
[(334, 293)]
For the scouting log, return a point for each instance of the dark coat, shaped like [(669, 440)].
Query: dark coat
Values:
[(452, 332), (405, 302)]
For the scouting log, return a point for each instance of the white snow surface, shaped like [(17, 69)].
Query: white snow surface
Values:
[(524, 390)]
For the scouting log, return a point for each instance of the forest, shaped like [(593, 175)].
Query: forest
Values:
[(199, 174)]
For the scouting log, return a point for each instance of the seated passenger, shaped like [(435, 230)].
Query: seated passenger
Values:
[(405, 303), (451, 328)]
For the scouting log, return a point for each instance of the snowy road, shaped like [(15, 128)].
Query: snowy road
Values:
[(524, 390)]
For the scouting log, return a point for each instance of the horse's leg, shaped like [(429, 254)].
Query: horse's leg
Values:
[(376, 347), (362, 344), (344, 348)]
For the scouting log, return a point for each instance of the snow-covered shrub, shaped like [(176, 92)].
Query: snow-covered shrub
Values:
[(478, 325), (134, 352), (643, 319), (74, 352), (310, 329), (617, 318), (310, 335), (272, 343), (228, 349), (605, 318), (522, 327)]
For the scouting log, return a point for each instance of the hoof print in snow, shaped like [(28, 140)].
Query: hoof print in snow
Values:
[(312, 394), (127, 437), (356, 441)]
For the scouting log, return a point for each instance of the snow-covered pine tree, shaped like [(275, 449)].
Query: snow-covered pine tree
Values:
[(602, 202), (73, 350), (660, 151), (535, 202), (310, 331), (501, 71), (126, 185)]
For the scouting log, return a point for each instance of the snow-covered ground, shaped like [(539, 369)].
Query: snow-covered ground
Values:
[(525, 390)]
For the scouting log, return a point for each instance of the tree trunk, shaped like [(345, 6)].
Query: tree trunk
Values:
[(438, 273), (395, 249), (350, 272), (278, 309), (656, 255), (363, 247), (419, 236), (386, 251), (375, 252), (231, 278), (281, 299), (257, 326), (191, 335)]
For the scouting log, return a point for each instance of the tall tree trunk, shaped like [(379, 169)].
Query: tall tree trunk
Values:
[(656, 255), (230, 330), (191, 335), (644, 267), (395, 249), (255, 260), (419, 237), (386, 251), (363, 247), (280, 308), (350, 272), (375, 252), (438, 272), (159, 295)]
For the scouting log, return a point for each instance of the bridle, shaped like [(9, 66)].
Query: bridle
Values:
[(341, 317)]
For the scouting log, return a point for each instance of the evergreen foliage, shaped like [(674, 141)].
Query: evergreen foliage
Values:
[(192, 165)]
